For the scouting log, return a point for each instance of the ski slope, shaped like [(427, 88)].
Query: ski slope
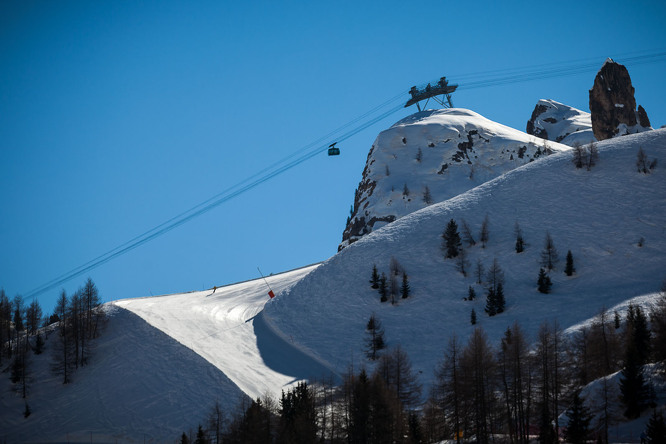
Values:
[(227, 329)]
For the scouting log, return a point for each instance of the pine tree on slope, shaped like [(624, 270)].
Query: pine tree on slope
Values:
[(452, 241), (569, 268), (578, 430)]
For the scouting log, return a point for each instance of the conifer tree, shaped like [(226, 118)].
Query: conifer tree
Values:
[(635, 391), (658, 318), (405, 190), (479, 271), (642, 161), (405, 290), (452, 241), (491, 302), (467, 234), (462, 264), (500, 302), (638, 333), (543, 282), (484, 231), (39, 344), (427, 197), (471, 294), (656, 429), (374, 280), (569, 267), (383, 289), (549, 257), (472, 318), (375, 341), (520, 243), (201, 436), (578, 430)]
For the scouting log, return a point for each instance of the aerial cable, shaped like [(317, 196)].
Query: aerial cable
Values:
[(502, 77), (229, 193)]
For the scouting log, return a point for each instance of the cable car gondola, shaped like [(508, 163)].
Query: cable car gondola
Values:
[(332, 150)]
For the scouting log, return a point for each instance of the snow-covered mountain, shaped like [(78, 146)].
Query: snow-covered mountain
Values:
[(561, 123), (430, 157), (612, 219), (164, 361)]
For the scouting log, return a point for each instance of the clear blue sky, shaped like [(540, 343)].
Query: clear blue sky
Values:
[(116, 116)]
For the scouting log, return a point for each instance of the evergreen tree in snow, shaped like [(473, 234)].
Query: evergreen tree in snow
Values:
[(427, 197), (462, 264), (578, 430), (491, 302), (637, 333), (520, 243), (569, 268), (467, 233), (479, 271), (452, 241), (484, 231), (656, 429), (549, 257), (543, 282), (635, 391), (374, 280), (500, 302), (383, 288), (471, 294), (472, 317), (375, 341), (201, 436), (642, 161), (405, 190), (495, 295), (405, 290), (658, 318)]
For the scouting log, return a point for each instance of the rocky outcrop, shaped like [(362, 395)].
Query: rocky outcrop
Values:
[(432, 156), (612, 103), (561, 123)]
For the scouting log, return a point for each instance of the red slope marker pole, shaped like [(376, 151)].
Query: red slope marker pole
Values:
[(270, 290)]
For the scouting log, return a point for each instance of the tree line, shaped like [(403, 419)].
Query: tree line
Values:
[(24, 331), (515, 390)]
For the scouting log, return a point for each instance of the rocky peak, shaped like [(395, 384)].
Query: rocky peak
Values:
[(612, 103), (555, 121), (432, 156)]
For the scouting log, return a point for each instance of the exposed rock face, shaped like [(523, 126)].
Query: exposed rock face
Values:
[(432, 156), (613, 105), (555, 121)]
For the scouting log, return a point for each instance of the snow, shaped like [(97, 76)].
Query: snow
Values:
[(564, 123), (599, 215), (163, 361), (226, 328), (161, 365), (460, 150), (141, 386)]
